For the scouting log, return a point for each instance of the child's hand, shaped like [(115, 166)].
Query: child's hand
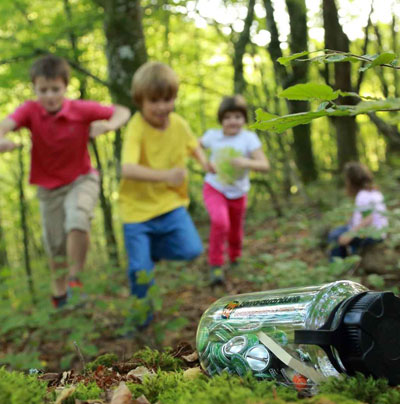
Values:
[(7, 145), (211, 168), (176, 176), (345, 239), (240, 162), (98, 127)]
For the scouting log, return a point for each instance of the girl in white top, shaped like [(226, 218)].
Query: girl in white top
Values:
[(369, 212), (234, 151)]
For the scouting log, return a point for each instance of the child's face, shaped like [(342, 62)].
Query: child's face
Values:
[(156, 111), (50, 92), (232, 122)]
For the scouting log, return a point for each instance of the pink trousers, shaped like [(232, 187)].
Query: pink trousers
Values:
[(227, 220)]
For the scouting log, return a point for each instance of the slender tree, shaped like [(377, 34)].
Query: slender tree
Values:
[(302, 146), (240, 48), (301, 134), (346, 127)]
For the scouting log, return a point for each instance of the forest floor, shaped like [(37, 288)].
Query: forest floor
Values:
[(278, 252)]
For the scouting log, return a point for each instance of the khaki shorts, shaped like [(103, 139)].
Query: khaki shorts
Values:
[(67, 208)]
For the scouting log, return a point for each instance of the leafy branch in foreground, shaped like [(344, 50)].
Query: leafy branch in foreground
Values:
[(386, 59), (326, 94)]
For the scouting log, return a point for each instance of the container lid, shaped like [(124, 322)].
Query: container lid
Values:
[(366, 338)]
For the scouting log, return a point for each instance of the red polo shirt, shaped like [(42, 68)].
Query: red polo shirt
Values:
[(59, 141)]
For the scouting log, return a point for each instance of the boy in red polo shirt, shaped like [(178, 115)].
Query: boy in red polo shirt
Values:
[(68, 186)]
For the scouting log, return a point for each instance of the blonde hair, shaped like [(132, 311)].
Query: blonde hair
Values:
[(358, 177), (154, 80)]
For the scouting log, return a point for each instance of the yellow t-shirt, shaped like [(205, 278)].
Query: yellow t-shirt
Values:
[(161, 150)]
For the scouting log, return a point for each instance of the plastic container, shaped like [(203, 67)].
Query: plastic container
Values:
[(302, 335)]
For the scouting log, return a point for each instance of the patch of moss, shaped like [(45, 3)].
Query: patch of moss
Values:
[(17, 388), (158, 360), (106, 360), (84, 392), (362, 388)]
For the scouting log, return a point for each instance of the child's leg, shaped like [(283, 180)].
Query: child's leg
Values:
[(334, 234), (51, 203), (176, 237), (79, 206), (217, 208), (237, 211), (333, 237), (137, 238)]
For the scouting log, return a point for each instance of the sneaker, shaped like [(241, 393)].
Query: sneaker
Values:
[(216, 276), (59, 301), (75, 292), (75, 283)]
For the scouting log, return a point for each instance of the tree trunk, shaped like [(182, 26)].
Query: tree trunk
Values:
[(24, 225), (240, 48), (105, 203), (3, 248), (125, 51), (301, 134), (346, 127)]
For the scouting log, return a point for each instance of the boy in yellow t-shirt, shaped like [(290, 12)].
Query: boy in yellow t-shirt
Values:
[(153, 190)]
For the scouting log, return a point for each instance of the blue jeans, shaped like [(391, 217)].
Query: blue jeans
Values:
[(353, 247), (170, 236)]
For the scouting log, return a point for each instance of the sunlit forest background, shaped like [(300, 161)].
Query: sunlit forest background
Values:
[(217, 48)]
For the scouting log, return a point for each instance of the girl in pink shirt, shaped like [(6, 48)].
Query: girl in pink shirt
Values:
[(369, 212)]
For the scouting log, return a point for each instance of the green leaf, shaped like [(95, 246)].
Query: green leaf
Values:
[(390, 104), (262, 115), (340, 57), (383, 58), (285, 122), (285, 60), (309, 91)]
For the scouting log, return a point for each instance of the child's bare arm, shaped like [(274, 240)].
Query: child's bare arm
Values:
[(200, 156), (174, 176), (7, 125), (119, 117), (257, 161), (346, 238)]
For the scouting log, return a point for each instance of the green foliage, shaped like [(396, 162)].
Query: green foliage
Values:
[(227, 173), (387, 59), (282, 123), (285, 60), (105, 360), (380, 59), (323, 92), (17, 388)]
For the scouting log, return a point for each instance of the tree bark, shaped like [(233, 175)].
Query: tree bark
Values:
[(105, 203), (125, 51), (302, 145), (301, 134), (240, 49), (346, 127)]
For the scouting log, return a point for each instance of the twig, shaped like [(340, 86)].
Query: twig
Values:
[(81, 358)]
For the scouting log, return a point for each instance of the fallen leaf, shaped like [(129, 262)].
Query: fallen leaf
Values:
[(65, 394), (140, 372), (141, 400), (122, 395), (192, 373), (193, 357)]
